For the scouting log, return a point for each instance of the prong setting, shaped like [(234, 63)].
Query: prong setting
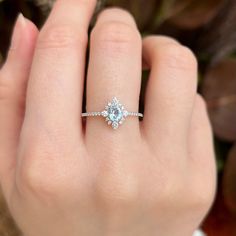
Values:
[(114, 113)]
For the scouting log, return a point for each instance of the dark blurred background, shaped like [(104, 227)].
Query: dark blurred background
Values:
[(208, 27)]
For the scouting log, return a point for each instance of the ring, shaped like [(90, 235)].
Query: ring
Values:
[(114, 113)]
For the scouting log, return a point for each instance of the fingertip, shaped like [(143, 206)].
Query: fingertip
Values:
[(24, 32), (28, 43), (28, 37), (31, 29), (22, 46)]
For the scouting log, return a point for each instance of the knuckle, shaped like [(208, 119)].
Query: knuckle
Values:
[(82, 2), (116, 36), (60, 36), (157, 40), (31, 179), (178, 57), (116, 190), (200, 194), (35, 176), (88, 2), (202, 200)]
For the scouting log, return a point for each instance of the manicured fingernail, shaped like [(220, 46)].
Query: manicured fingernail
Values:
[(18, 31)]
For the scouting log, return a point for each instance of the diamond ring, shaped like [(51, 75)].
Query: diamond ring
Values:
[(114, 113)]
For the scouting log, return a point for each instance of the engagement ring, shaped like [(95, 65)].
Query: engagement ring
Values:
[(114, 113)]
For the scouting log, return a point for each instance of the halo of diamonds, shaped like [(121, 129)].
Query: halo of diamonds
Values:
[(114, 113)]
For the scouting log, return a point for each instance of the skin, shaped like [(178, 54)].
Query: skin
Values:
[(62, 177)]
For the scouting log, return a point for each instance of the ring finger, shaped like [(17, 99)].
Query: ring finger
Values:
[(114, 71)]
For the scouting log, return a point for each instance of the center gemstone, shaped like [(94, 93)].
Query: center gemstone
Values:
[(115, 113)]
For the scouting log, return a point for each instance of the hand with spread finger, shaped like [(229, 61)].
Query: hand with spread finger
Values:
[(110, 170)]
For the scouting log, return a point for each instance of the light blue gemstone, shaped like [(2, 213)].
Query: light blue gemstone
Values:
[(115, 113)]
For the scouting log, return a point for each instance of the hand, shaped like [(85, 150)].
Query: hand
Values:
[(62, 177)]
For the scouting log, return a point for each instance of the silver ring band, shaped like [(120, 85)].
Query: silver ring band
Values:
[(99, 113), (114, 113)]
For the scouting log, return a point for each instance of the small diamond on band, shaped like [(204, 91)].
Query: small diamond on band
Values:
[(114, 113)]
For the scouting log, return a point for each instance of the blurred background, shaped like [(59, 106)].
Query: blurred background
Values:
[(208, 27)]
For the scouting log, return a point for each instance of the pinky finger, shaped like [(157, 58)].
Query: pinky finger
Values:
[(202, 157), (13, 82)]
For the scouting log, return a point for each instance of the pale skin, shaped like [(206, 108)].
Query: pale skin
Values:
[(61, 176)]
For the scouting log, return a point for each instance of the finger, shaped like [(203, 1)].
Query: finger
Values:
[(202, 157), (114, 71), (170, 91), (13, 82), (54, 96)]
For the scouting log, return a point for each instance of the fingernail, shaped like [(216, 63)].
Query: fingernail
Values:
[(18, 31)]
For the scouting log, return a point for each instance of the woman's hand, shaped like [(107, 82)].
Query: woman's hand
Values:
[(62, 177)]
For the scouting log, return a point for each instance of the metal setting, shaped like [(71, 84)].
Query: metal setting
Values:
[(114, 113)]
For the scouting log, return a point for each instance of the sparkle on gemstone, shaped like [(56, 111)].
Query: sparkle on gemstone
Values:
[(115, 113), (104, 113), (115, 125), (125, 113)]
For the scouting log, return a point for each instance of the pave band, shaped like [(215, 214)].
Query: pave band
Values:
[(99, 113), (114, 113)]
